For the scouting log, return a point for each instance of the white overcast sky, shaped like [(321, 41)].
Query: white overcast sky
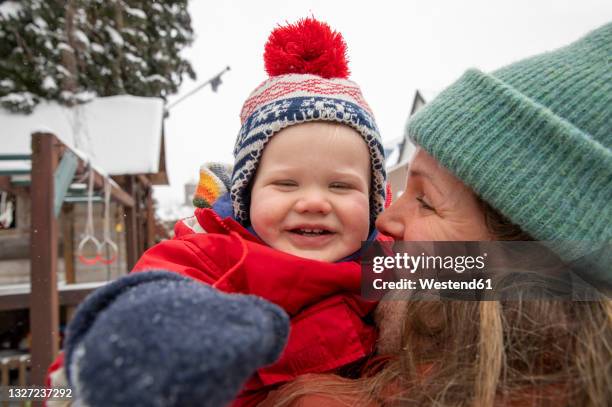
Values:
[(394, 48)]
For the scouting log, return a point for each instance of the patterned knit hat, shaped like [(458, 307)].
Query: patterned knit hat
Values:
[(308, 82), (533, 139)]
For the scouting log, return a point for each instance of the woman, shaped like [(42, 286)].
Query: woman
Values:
[(523, 153)]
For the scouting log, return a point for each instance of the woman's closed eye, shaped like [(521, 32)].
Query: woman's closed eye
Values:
[(424, 204)]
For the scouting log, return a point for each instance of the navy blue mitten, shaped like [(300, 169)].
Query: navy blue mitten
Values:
[(160, 339)]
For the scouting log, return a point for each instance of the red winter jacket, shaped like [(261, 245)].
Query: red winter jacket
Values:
[(328, 330), (327, 327)]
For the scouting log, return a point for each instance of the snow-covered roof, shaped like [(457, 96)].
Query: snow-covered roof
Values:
[(120, 134), (428, 94), (392, 151)]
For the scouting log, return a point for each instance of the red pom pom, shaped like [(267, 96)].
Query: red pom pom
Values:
[(306, 47)]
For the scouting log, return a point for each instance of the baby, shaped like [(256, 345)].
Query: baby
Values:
[(307, 184), (310, 195)]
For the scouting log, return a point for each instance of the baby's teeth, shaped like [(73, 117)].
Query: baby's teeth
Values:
[(312, 231)]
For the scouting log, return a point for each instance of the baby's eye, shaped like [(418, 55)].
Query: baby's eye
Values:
[(340, 185), (424, 204), (285, 183)]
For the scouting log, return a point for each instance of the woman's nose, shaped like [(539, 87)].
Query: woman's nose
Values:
[(391, 224), (313, 202)]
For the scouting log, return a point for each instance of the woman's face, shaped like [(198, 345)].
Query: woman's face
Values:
[(435, 206)]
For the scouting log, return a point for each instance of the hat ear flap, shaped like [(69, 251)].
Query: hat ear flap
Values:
[(215, 180)]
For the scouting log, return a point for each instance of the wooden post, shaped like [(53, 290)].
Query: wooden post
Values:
[(131, 227), (44, 308), (141, 216), (68, 253), (150, 219), (68, 240)]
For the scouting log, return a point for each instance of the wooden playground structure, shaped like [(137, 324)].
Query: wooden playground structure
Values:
[(48, 189)]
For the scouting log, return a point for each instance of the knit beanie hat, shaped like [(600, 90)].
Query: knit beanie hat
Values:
[(533, 139), (308, 72)]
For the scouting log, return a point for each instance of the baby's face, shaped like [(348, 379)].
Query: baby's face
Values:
[(310, 196)]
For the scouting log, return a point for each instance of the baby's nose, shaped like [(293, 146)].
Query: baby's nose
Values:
[(313, 203)]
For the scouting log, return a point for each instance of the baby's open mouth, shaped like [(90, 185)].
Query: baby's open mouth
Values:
[(310, 232)]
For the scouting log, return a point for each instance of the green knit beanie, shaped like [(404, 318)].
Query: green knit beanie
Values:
[(533, 139)]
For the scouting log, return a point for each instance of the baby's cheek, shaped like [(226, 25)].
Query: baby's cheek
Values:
[(357, 224), (263, 222)]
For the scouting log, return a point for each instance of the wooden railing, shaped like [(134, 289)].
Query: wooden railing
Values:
[(19, 363)]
